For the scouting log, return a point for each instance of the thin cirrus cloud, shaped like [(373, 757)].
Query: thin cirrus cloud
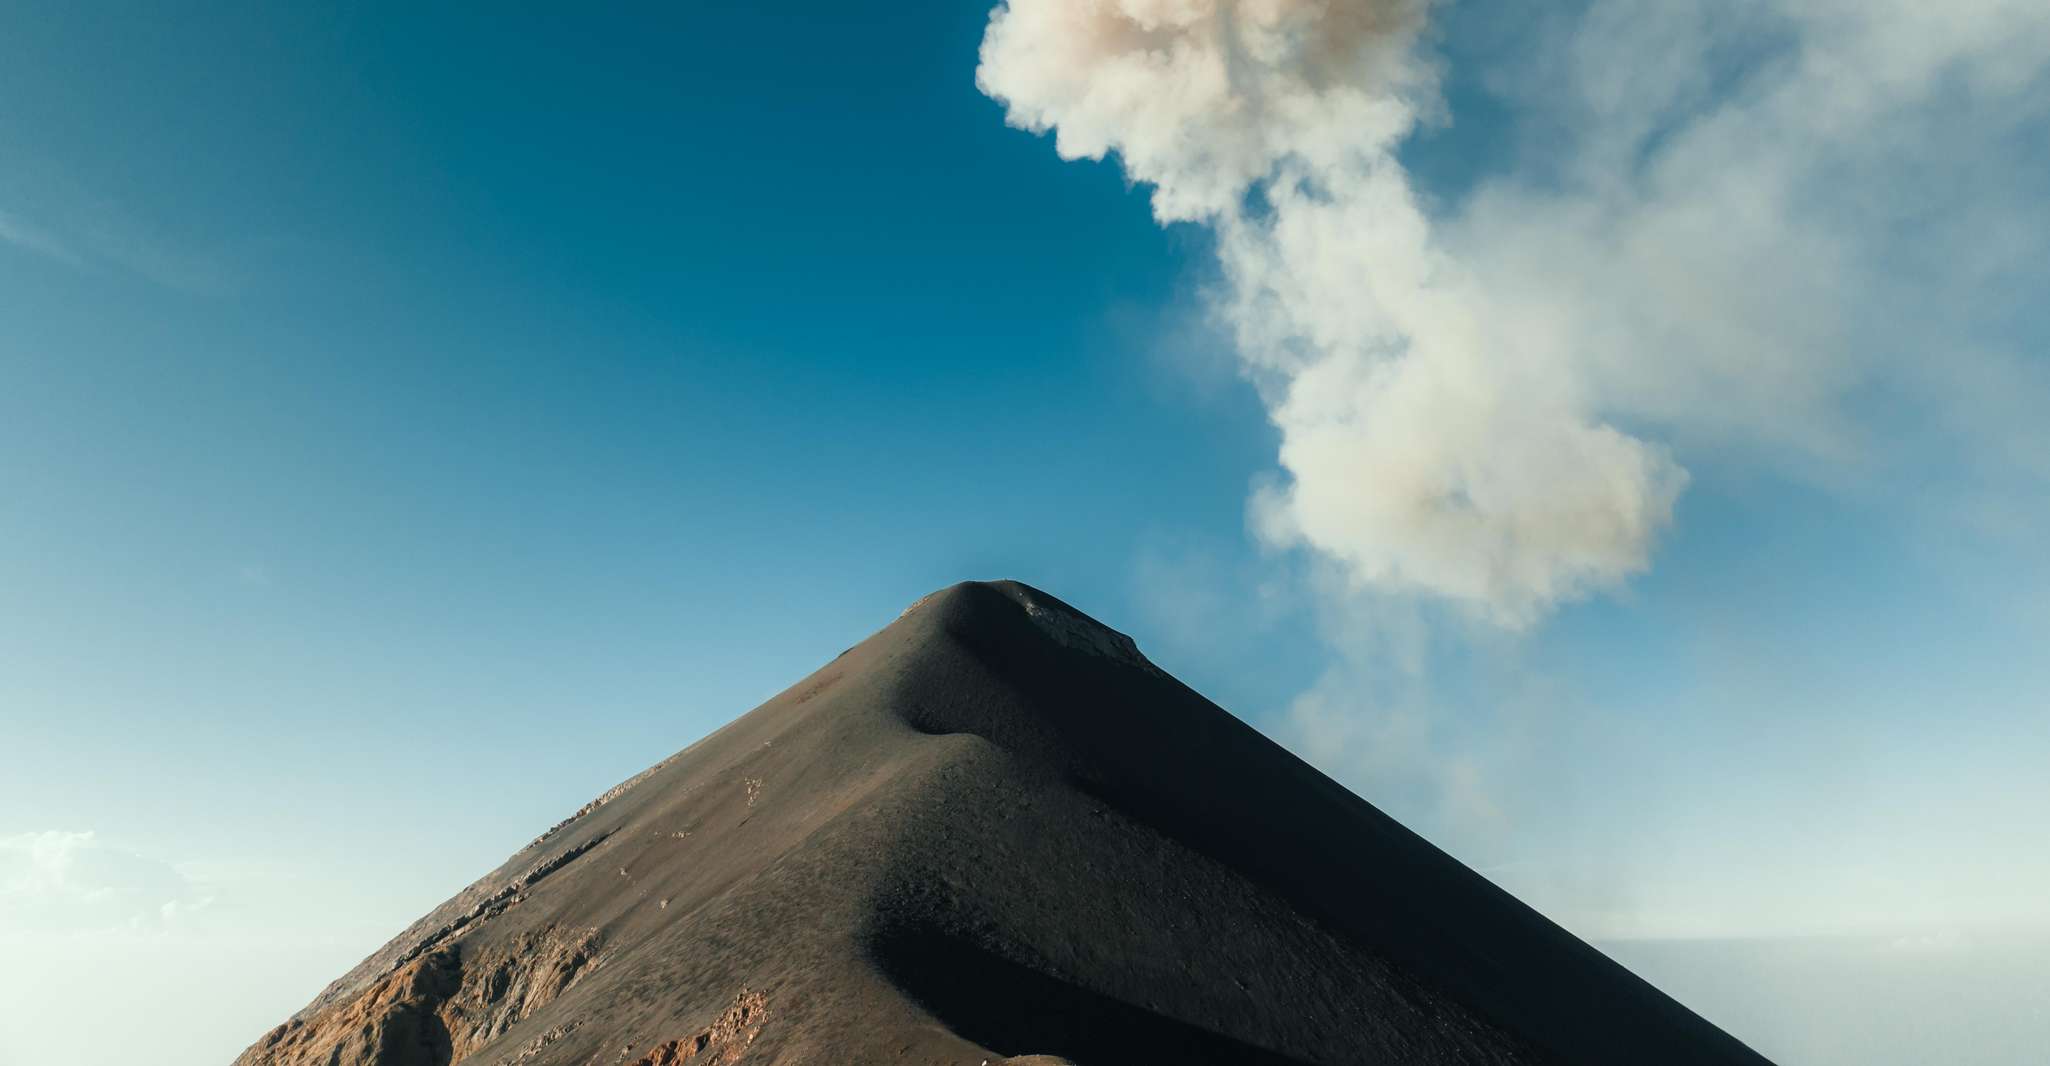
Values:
[(29, 237), (94, 236)]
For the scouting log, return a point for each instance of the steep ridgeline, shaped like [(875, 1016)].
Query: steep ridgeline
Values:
[(991, 832)]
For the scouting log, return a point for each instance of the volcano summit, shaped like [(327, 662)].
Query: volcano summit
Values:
[(991, 832)]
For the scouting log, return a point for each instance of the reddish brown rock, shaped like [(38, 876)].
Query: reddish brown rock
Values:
[(725, 1042)]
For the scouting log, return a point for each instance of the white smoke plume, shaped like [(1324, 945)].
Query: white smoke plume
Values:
[(1743, 221), (1425, 451)]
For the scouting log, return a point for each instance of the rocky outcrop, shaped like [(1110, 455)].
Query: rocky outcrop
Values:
[(437, 1008), (720, 1044), (490, 896), (395, 1022)]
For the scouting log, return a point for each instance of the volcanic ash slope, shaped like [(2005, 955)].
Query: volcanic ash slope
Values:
[(992, 829)]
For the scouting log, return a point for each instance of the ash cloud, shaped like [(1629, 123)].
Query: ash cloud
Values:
[(1732, 232), (1794, 244), (1423, 450)]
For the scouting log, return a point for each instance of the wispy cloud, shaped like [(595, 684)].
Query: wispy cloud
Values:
[(30, 238), (100, 236), (60, 880)]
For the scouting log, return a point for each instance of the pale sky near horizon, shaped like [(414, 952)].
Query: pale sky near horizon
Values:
[(414, 422)]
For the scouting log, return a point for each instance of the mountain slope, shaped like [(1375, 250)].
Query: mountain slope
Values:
[(991, 829)]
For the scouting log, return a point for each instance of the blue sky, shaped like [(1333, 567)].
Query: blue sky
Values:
[(412, 423)]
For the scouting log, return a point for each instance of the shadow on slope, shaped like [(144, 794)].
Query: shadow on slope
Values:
[(1016, 1010)]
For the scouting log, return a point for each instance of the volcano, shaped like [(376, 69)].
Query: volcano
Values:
[(993, 832)]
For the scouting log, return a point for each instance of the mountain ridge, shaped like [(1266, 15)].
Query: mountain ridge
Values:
[(992, 828)]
